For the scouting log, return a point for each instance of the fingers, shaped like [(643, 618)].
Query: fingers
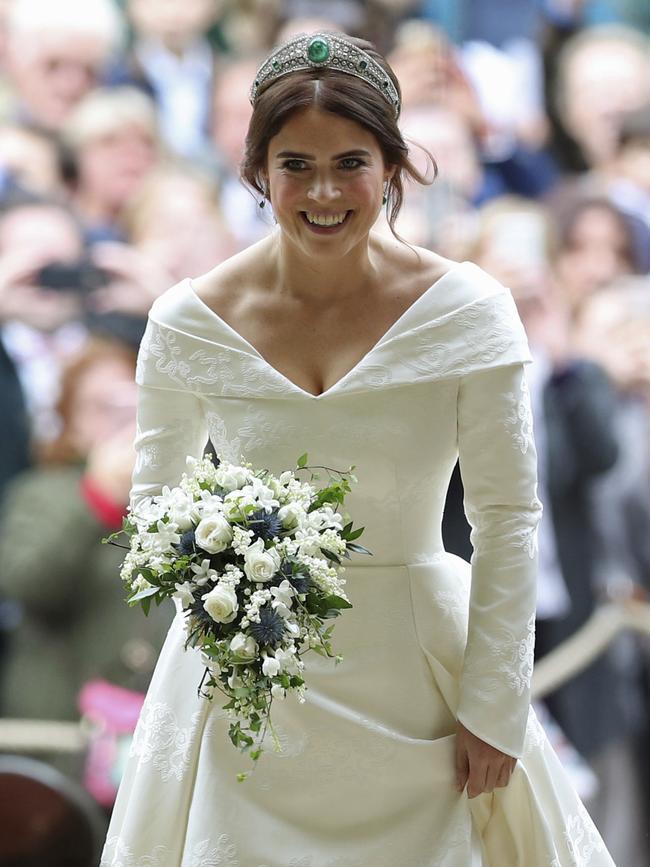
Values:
[(477, 782), (462, 768), (484, 777)]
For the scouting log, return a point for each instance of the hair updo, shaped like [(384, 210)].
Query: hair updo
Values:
[(339, 93)]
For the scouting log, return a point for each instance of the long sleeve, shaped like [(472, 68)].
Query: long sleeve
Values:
[(170, 427), (498, 463), (171, 422)]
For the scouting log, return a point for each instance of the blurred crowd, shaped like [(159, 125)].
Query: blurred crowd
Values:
[(121, 131)]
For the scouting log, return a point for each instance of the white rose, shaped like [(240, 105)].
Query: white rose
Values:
[(259, 564), (278, 691), (244, 646), (270, 666), (231, 478), (213, 534), (221, 604), (291, 515)]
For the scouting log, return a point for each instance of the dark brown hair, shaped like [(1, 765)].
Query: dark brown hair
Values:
[(339, 93)]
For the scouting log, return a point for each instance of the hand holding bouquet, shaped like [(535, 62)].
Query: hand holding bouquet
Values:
[(254, 562)]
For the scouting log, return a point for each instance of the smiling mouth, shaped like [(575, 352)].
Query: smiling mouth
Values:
[(323, 224)]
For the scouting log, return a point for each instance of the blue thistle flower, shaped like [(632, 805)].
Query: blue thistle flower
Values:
[(301, 581), (265, 525), (187, 544), (270, 629)]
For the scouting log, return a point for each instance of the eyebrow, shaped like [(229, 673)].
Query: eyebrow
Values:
[(294, 155)]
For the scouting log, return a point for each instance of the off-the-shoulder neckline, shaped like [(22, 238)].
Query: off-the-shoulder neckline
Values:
[(453, 271)]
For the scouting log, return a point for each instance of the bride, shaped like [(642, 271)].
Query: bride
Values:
[(420, 749)]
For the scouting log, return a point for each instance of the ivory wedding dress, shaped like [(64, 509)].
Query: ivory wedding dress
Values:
[(366, 776)]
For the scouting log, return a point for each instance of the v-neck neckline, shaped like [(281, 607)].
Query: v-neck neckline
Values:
[(384, 337)]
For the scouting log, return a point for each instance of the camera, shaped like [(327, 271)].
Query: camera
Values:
[(82, 276)]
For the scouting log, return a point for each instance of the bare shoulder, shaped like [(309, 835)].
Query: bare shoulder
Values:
[(226, 284), (411, 267)]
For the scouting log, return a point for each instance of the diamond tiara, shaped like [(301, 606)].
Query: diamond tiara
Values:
[(325, 50)]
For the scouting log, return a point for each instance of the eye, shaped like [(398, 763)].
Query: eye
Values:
[(294, 165), (350, 163)]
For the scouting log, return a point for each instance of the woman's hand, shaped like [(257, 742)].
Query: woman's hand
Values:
[(480, 766)]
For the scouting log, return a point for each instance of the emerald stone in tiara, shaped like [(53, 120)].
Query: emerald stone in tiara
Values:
[(329, 50)]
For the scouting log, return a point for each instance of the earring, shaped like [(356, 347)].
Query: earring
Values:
[(385, 199), (265, 195)]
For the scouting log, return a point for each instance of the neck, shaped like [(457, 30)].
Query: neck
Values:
[(310, 278)]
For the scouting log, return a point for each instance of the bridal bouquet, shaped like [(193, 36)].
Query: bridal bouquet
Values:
[(255, 562)]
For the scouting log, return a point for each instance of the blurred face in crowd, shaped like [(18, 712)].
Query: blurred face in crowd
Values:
[(38, 235), (104, 401), (52, 72), (30, 159), (231, 110), (175, 22), (603, 81), (448, 137), (180, 226), (46, 230), (112, 166), (595, 252)]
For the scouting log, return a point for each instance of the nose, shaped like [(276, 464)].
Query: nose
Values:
[(323, 189)]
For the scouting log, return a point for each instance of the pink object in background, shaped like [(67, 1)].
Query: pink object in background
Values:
[(111, 713)]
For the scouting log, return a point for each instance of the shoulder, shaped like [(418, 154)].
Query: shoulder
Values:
[(220, 287)]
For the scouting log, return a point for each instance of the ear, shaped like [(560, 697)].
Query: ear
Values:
[(389, 173)]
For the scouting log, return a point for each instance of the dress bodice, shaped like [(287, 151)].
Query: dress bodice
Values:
[(447, 380)]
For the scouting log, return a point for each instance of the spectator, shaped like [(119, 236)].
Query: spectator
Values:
[(172, 57), (175, 220), (230, 114), (56, 53), (113, 136), (30, 159), (602, 73), (39, 326), (595, 245), (74, 625)]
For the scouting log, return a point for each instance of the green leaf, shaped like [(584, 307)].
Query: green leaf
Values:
[(358, 549), (331, 555), (355, 534), (302, 461), (336, 602), (142, 594)]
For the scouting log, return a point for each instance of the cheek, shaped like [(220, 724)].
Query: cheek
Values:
[(364, 189), (288, 192)]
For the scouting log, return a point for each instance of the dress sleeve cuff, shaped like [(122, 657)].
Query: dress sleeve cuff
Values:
[(105, 509)]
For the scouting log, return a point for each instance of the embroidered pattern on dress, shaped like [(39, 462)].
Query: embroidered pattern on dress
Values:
[(507, 654), (519, 420), (228, 448), (224, 854), (582, 838), (159, 739), (517, 658), (117, 854), (455, 343), (535, 734)]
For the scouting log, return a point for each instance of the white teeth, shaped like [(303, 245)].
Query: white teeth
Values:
[(326, 219)]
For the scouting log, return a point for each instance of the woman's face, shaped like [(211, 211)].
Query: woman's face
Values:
[(595, 253), (112, 166), (104, 402), (325, 169)]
